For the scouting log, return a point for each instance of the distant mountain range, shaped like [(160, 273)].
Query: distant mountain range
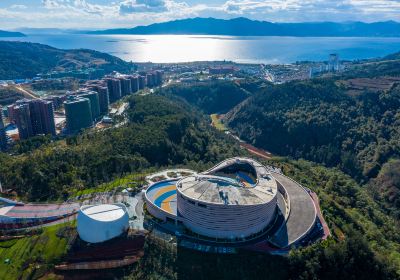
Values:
[(247, 27), (29, 31), (11, 34)]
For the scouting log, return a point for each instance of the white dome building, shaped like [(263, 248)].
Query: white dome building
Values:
[(99, 223)]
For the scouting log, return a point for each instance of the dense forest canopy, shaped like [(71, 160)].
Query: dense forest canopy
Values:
[(318, 120), (9, 95), (385, 66), (210, 96), (386, 187)]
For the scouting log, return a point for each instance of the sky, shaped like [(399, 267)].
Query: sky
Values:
[(100, 14)]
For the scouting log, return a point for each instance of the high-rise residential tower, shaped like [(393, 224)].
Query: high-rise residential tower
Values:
[(78, 114), (134, 83), (3, 137), (42, 117), (23, 120), (114, 89), (142, 82), (125, 86), (94, 102)]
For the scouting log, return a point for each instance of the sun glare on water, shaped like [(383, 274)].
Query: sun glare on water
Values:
[(175, 48)]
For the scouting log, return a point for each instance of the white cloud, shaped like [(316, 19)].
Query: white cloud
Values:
[(314, 10), (377, 6), (142, 6), (18, 7)]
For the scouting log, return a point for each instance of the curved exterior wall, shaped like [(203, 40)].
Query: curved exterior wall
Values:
[(95, 231), (153, 209), (157, 212), (225, 221)]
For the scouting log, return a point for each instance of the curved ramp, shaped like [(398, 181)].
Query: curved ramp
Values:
[(302, 214)]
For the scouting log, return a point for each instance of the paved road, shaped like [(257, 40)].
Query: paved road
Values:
[(138, 210), (325, 227), (26, 93), (302, 213)]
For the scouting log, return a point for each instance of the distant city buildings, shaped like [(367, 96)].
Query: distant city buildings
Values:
[(222, 70), (333, 63), (332, 66)]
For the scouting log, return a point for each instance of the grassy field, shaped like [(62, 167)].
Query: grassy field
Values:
[(217, 123), (32, 256)]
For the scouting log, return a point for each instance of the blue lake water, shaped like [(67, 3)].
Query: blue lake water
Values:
[(182, 48)]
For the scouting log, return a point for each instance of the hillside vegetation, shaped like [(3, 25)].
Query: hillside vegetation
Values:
[(209, 97), (35, 254), (9, 95), (319, 121), (37, 58), (386, 187)]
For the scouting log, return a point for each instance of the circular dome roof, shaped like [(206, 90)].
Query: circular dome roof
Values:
[(222, 190), (99, 223), (104, 212)]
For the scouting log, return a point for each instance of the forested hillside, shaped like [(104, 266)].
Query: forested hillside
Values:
[(386, 66), (160, 133), (9, 95), (385, 188), (211, 96), (37, 58), (319, 121)]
